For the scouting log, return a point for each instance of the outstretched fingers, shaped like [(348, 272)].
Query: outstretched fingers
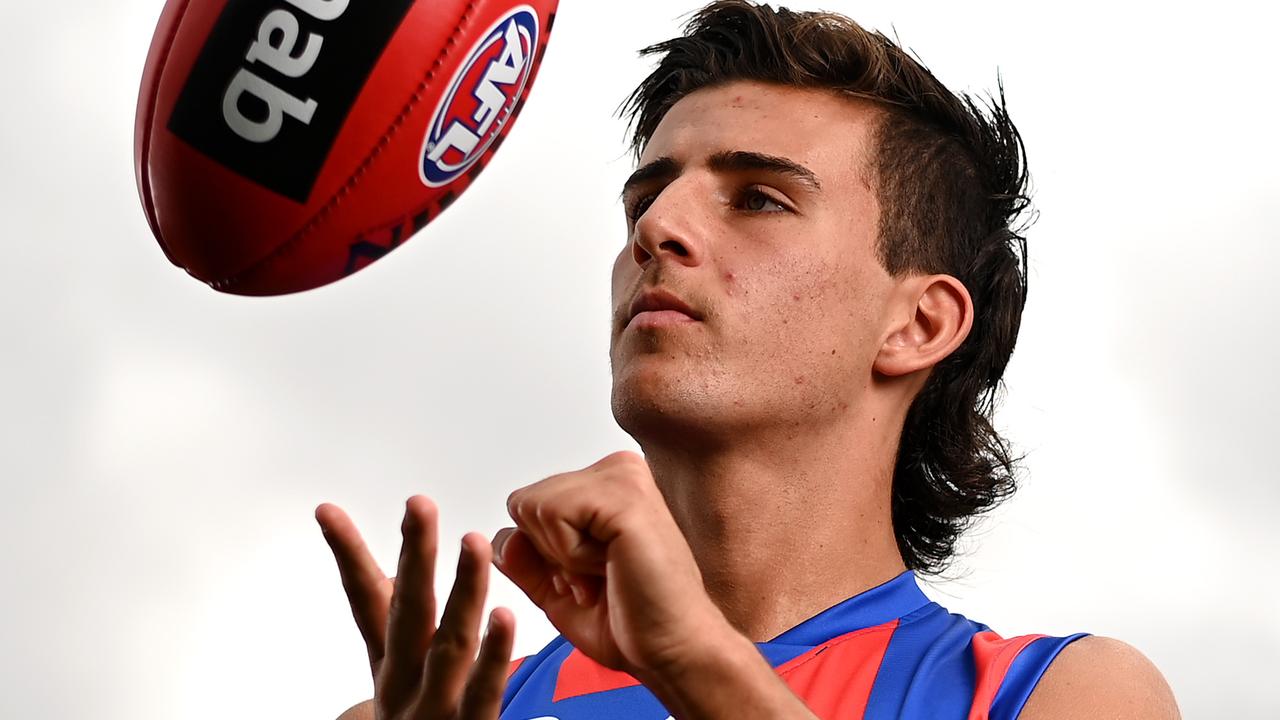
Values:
[(411, 620), (482, 697), (453, 649), (368, 590), (421, 671)]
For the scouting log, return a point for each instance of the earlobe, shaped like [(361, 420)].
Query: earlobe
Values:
[(933, 316)]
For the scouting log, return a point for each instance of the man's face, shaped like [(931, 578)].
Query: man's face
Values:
[(753, 205)]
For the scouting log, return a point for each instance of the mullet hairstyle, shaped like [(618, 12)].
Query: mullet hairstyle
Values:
[(951, 180)]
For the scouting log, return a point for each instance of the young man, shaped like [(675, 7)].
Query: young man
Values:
[(818, 297)]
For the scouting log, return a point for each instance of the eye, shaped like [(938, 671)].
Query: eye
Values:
[(638, 207), (756, 200)]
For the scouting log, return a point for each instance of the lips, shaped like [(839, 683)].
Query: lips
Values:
[(659, 299)]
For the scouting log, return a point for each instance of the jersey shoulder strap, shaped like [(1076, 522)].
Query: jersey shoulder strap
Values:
[(1008, 670)]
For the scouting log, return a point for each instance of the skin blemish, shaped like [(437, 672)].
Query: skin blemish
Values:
[(799, 379), (796, 297)]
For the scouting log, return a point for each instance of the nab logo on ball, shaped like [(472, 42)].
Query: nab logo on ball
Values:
[(481, 98), (274, 83)]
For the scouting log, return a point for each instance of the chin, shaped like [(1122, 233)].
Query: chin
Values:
[(657, 406)]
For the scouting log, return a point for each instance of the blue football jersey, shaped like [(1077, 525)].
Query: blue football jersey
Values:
[(887, 653)]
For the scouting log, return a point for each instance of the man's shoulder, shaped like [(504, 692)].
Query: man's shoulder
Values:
[(1100, 677)]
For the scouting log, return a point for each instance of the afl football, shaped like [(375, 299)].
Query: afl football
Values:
[(283, 144)]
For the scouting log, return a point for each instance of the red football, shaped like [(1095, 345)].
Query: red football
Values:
[(283, 144)]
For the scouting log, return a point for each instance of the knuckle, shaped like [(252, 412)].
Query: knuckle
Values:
[(625, 457), (632, 479), (518, 506), (628, 465), (634, 482), (451, 641)]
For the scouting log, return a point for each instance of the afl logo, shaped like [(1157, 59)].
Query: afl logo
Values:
[(481, 97)]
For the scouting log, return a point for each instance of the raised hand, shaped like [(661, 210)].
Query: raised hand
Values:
[(599, 551), (421, 671)]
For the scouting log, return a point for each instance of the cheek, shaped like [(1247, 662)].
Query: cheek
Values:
[(815, 301), (623, 271), (806, 285)]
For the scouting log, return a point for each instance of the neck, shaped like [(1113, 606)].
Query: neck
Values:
[(785, 524)]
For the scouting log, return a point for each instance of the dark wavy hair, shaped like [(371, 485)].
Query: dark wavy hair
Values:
[(951, 179)]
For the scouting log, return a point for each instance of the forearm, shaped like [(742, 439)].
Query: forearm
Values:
[(730, 681)]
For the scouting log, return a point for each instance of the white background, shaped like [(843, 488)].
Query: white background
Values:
[(163, 446)]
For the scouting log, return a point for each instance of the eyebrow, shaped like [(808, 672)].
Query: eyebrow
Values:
[(739, 160), (666, 168)]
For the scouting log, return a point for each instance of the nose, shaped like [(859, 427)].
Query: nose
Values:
[(673, 227)]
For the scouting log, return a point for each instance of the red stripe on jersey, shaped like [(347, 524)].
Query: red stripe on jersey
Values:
[(835, 678), (580, 675), (837, 686), (993, 655), (515, 665)]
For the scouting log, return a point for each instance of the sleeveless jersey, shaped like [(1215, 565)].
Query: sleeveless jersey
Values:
[(887, 653)]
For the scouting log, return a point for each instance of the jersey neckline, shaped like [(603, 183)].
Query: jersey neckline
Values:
[(883, 603)]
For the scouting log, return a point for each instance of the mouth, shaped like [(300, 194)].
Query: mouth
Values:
[(660, 307)]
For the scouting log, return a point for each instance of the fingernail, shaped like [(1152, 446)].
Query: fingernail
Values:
[(559, 584), (499, 546), (579, 595)]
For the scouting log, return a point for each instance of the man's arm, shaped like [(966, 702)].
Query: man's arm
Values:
[(729, 679), (1098, 678)]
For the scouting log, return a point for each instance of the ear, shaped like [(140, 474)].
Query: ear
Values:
[(932, 315)]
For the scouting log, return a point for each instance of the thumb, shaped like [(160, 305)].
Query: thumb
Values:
[(516, 557)]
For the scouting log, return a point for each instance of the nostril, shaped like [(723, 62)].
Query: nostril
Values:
[(641, 255), (675, 247), (638, 253)]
